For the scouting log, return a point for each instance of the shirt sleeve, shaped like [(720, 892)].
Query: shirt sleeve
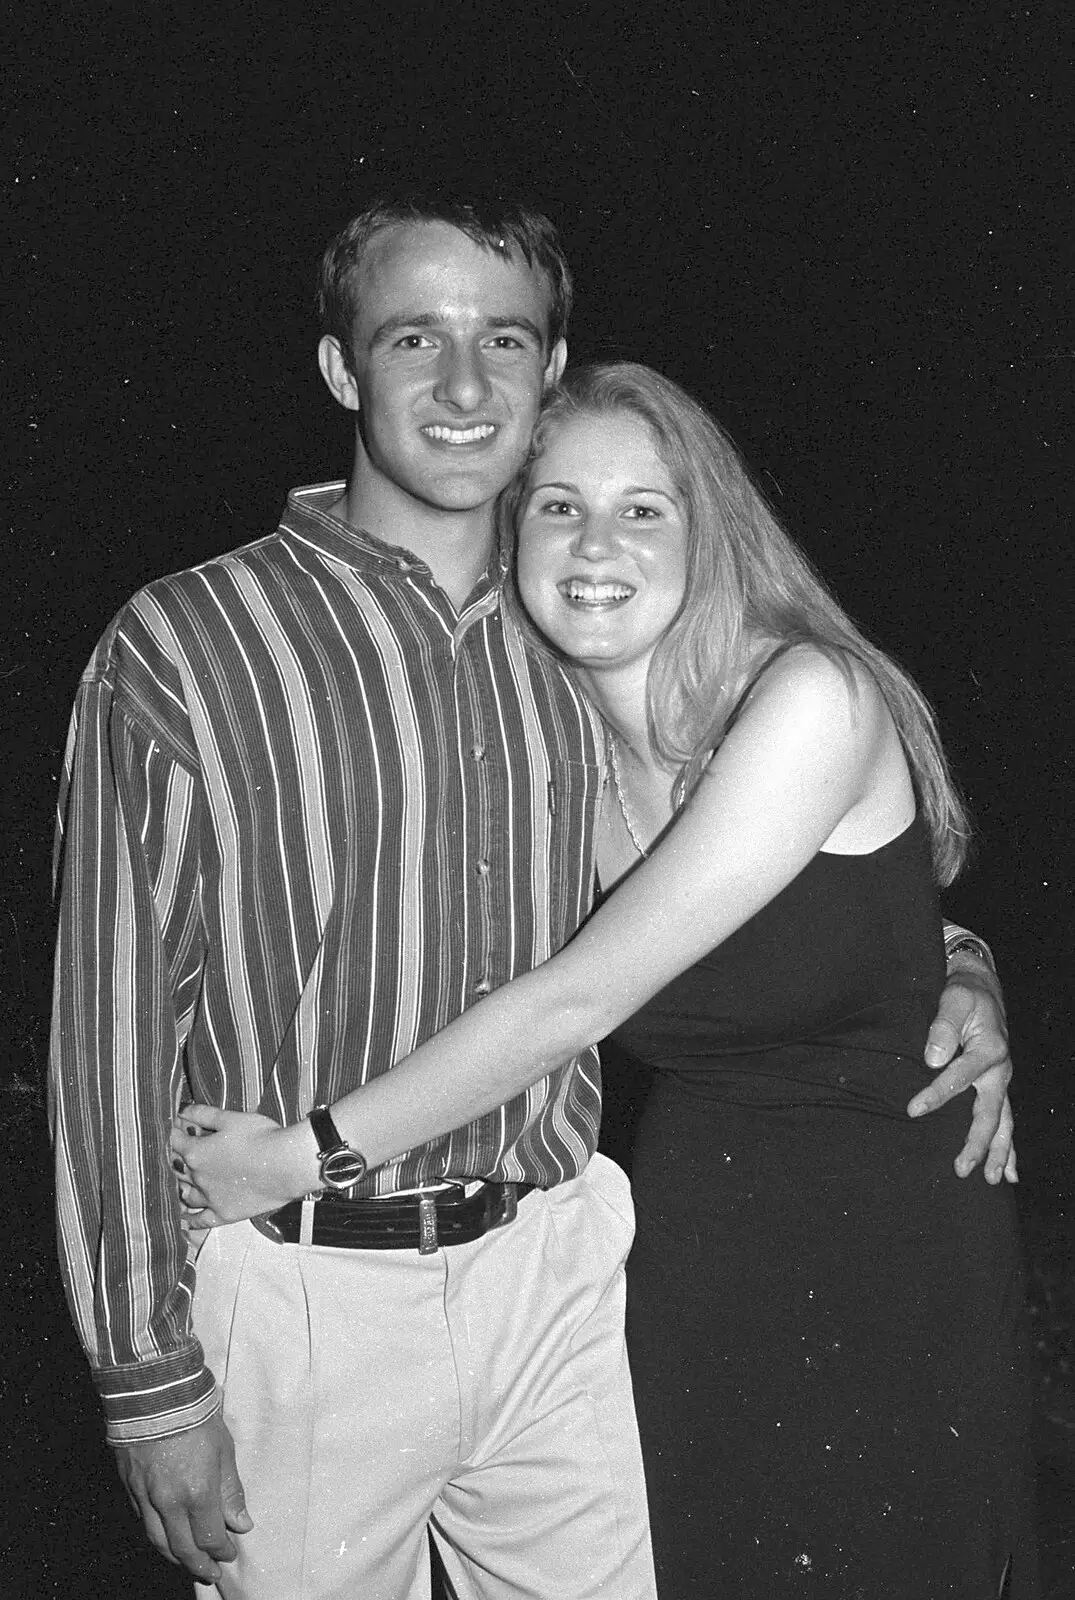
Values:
[(955, 936), (129, 949)]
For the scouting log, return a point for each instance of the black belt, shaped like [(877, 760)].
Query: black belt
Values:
[(421, 1222)]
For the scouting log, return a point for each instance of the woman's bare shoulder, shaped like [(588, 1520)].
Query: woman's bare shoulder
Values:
[(828, 682)]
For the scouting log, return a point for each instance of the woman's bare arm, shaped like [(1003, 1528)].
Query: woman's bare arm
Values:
[(800, 758)]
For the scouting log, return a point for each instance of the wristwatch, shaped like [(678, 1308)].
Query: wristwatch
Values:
[(341, 1165)]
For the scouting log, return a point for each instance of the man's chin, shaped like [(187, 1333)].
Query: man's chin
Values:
[(463, 493)]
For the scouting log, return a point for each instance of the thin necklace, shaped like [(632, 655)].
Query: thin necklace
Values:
[(614, 767)]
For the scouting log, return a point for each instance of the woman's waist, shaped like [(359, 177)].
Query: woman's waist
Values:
[(872, 1079), (691, 1024)]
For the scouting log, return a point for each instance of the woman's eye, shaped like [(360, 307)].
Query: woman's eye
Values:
[(558, 508), (642, 513)]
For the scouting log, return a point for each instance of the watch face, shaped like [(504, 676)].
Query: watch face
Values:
[(343, 1168)]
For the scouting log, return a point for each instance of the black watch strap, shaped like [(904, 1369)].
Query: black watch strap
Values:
[(341, 1165), (325, 1131)]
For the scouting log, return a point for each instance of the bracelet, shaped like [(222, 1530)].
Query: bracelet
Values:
[(970, 947)]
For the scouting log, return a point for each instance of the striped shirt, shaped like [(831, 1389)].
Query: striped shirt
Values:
[(308, 815)]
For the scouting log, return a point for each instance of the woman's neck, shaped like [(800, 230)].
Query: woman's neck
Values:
[(620, 696), (636, 806)]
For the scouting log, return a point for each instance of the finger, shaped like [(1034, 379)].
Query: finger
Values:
[(169, 1531), (209, 1532), (180, 1146), (198, 1222), (985, 1123), (956, 1077), (942, 1042), (154, 1528), (1000, 1146), (197, 1119), (195, 1227), (1011, 1167), (192, 1158), (236, 1516)]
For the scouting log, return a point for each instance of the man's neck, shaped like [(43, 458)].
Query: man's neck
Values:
[(455, 545)]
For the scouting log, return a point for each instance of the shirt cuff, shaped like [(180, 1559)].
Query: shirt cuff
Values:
[(958, 940), (156, 1398)]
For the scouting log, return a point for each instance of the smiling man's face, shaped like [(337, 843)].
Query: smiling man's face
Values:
[(449, 365)]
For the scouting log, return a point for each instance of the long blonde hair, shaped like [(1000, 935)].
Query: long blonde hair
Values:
[(746, 580)]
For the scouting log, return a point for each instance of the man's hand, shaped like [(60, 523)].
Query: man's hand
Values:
[(969, 1039), (188, 1494)]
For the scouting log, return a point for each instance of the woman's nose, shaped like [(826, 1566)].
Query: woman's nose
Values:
[(595, 537)]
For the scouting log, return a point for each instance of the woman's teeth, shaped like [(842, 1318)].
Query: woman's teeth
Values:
[(595, 594)]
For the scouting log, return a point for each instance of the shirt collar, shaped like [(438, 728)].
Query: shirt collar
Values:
[(307, 517)]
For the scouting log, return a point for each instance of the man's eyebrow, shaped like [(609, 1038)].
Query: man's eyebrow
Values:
[(427, 319), (523, 323), (391, 325)]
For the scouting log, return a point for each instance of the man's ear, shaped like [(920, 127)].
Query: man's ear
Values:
[(554, 367), (337, 374)]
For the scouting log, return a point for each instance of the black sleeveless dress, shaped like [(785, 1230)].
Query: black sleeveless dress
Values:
[(824, 1322)]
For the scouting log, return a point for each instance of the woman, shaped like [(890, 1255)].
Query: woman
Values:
[(822, 1318)]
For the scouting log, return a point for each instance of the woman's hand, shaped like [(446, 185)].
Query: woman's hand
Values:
[(236, 1164)]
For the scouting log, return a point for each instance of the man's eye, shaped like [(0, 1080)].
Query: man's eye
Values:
[(413, 341), (506, 341)]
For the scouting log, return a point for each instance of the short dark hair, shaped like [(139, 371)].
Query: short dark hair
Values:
[(496, 224)]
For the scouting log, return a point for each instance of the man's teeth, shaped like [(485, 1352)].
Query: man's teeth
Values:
[(483, 430), (596, 593)]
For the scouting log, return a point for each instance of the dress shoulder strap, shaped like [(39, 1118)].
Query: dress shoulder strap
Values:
[(774, 655)]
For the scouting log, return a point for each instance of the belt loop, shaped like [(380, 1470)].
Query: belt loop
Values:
[(509, 1205), (306, 1224), (427, 1225)]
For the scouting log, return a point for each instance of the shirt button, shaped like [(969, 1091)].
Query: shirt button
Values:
[(483, 986), (477, 752), (483, 868)]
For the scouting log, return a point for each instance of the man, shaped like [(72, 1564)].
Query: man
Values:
[(319, 798)]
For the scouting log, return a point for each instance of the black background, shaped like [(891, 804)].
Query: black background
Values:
[(846, 228)]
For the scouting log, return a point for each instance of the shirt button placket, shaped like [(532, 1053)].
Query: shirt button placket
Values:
[(482, 864)]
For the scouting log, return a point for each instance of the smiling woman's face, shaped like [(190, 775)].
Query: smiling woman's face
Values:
[(602, 558)]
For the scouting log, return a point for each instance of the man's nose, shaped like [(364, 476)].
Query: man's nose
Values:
[(462, 381)]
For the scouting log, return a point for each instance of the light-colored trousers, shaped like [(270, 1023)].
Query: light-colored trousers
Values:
[(483, 1391)]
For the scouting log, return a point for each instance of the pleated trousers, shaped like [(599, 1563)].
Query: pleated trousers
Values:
[(482, 1391)]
